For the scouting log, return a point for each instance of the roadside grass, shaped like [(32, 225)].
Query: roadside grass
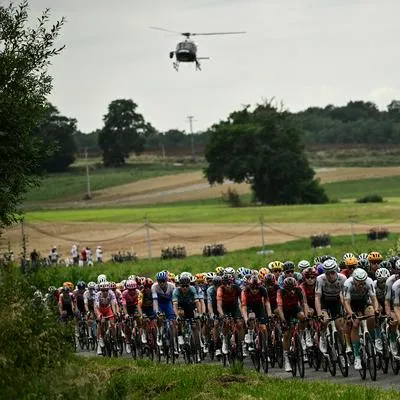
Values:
[(386, 187), (203, 212), (293, 250), (72, 185), (117, 379)]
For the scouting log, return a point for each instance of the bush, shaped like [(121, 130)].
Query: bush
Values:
[(377, 234), (214, 249), (33, 343), (177, 251), (370, 198), (232, 198), (320, 240)]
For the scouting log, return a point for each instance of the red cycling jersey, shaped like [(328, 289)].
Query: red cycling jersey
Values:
[(229, 298), (289, 300), (272, 293), (130, 298), (309, 294), (251, 299)]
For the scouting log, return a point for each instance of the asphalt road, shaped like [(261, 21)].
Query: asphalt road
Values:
[(386, 381)]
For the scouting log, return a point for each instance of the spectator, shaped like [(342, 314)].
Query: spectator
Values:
[(34, 257), (75, 254), (53, 256), (99, 254), (84, 255)]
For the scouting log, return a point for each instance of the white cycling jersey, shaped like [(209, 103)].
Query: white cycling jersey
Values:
[(329, 291), (353, 292)]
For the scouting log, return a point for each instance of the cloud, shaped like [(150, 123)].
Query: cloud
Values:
[(384, 95)]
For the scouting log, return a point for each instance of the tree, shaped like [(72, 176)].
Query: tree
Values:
[(57, 134), (124, 132), (25, 55), (263, 148)]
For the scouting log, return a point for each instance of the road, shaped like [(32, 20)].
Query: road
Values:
[(385, 381)]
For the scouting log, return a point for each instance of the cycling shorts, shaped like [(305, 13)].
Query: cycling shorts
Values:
[(167, 309), (259, 311)]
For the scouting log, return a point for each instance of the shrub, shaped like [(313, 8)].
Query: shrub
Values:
[(32, 340), (320, 240), (177, 251), (370, 198), (232, 198), (214, 249), (377, 234)]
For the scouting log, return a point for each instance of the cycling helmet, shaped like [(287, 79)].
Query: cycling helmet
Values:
[(275, 266), (112, 285), (81, 285), (385, 264), (363, 256), (382, 274), (317, 260), (288, 266), (348, 255), (289, 283), (104, 286), (309, 273), (219, 271), (263, 273), (148, 283), (375, 257), (171, 277), (330, 265), (360, 275), (200, 277), (364, 264), (70, 285), (230, 270), (303, 264), (131, 278), (270, 279), (254, 281), (101, 278), (397, 266), (228, 278), (131, 284), (209, 276), (162, 276), (393, 260), (91, 285), (217, 280), (320, 269), (184, 278), (351, 262), (51, 289), (243, 271)]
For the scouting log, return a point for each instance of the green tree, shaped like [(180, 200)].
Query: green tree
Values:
[(124, 132), (57, 133), (25, 54), (263, 148)]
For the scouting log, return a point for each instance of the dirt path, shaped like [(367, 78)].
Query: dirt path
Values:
[(115, 237)]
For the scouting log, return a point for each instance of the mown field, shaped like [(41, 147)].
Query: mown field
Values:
[(126, 379)]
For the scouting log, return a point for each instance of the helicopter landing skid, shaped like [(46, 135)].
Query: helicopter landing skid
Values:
[(198, 66), (176, 66)]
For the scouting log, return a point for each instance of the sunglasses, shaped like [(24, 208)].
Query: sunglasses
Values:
[(289, 272), (185, 286)]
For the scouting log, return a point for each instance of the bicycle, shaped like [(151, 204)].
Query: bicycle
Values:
[(234, 345), (336, 349), (296, 354), (275, 342), (384, 355), (110, 343), (367, 349), (259, 355), (191, 348)]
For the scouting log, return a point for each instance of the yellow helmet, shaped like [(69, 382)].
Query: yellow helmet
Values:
[(219, 270), (171, 276), (375, 257), (351, 262), (70, 285), (200, 277), (276, 266)]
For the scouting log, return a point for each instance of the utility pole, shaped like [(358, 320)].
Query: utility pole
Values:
[(353, 240), (88, 194), (148, 236), (190, 119), (262, 232), (23, 240)]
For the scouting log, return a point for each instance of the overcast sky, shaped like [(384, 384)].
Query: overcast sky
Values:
[(302, 52)]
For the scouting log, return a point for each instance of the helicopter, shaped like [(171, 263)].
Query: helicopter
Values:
[(186, 51)]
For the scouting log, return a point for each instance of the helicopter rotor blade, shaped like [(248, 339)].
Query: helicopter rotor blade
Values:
[(164, 30), (218, 33)]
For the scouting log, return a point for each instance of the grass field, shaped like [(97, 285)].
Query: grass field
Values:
[(354, 189), (387, 212), (72, 185), (117, 379)]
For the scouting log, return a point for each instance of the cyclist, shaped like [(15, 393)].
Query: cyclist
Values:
[(66, 303), (228, 298), (88, 300), (359, 297), (389, 306), (288, 270), (272, 290), (291, 304), (276, 267), (374, 258), (308, 288), (213, 311), (382, 275), (254, 297), (350, 263), (105, 306), (131, 308), (302, 265), (328, 300)]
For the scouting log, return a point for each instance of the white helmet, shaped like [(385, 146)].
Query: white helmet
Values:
[(330, 265), (231, 270), (104, 285), (131, 278), (101, 278), (91, 285), (303, 264), (382, 274), (360, 274)]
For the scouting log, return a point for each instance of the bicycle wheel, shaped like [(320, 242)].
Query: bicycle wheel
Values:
[(363, 370), (341, 354), (292, 360), (371, 360), (330, 358), (385, 354), (278, 348), (271, 350), (299, 357), (264, 354)]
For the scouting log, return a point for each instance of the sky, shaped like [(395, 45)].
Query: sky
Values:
[(300, 52)]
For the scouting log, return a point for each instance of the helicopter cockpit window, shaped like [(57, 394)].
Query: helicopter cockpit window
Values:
[(186, 46)]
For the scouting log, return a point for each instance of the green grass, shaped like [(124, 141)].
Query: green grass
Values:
[(294, 250), (72, 185), (116, 379), (386, 187), (196, 212)]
